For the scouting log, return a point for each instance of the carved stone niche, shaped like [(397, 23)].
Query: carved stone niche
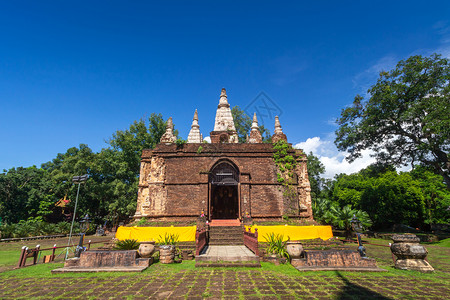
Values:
[(410, 254)]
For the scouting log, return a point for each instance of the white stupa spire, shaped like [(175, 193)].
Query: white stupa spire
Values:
[(255, 134), (278, 128), (194, 135), (224, 119)]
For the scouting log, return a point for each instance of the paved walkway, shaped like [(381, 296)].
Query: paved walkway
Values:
[(227, 253), (157, 283)]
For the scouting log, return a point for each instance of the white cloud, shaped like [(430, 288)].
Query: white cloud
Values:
[(310, 145), (333, 159), (207, 139)]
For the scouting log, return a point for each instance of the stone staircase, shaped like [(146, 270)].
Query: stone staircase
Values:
[(226, 235), (226, 247)]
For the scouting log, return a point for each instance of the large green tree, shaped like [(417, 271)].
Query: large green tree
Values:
[(414, 198), (130, 142), (406, 117), (315, 169), (21, 193)]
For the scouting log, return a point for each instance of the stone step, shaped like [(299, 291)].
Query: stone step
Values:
[(227, 231), (226, 237), (226, 234), (224, 222), (226, 253), (240, 264), (225, 243)]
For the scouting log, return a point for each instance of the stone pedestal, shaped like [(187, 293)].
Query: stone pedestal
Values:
[(332, 260), (410, 254), (106, 261)]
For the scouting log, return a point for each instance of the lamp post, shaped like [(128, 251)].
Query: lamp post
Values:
[(357, 227), (77, 180), (84, 226)]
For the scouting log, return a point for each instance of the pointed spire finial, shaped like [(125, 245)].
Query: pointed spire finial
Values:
[(195, 115), (224, 123), (278, 128), (255, 122), (278, 132), (169, 124), (168, 136), (194, 135), (223, 99), (255, 134)]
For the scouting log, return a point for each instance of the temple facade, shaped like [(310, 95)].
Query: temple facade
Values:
[(223, 179)]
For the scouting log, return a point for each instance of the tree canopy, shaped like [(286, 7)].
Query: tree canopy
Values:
[(315, 169), (406, 117)]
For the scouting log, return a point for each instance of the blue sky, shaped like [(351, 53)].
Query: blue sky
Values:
[(75, 72)]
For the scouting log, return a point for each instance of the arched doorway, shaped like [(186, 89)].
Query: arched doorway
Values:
[(224, 194)]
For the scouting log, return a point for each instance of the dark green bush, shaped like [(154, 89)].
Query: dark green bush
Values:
[(128, 244)]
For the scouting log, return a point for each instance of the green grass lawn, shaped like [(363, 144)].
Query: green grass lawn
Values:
[(438, 257), (183, 280)]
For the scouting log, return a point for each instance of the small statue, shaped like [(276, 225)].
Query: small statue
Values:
[(361, 248)]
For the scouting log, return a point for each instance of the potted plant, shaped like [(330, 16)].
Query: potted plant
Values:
[(276, 247), (167, 248)]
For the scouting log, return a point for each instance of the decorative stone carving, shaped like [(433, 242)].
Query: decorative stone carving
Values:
[(278, 132), (255, 134), (410, 254), (168, 136), (194, 135)]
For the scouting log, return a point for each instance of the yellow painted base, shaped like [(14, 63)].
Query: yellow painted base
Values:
[(294, 233), (187, 234)]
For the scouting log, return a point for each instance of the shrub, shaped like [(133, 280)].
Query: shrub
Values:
[(168, 239), (276, 245), (128, 244)]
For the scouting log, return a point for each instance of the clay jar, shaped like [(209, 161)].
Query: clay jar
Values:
[(146, 249), (407, 246), (294, 248)]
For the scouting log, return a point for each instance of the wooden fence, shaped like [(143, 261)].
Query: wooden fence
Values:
[(200, 240), (251, 240)]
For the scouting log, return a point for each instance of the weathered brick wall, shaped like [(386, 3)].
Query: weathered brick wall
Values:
[(174, 180)]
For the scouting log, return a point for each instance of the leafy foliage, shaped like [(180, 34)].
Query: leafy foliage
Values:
[(168, 239), (315, 169), (33, 227), (406, 119), (412, 198), (329, 212), (109, 193), (276, 245), (285, 163), (128, 244)]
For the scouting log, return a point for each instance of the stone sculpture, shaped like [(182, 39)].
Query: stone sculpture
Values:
[(410, 254)]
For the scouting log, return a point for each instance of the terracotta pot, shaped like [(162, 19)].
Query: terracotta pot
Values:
[(295, 249), (146, 249)]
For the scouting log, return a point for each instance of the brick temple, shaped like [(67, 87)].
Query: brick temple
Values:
[(223, 179)]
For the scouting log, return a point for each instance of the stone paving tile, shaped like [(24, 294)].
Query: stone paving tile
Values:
[(226, 284)]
